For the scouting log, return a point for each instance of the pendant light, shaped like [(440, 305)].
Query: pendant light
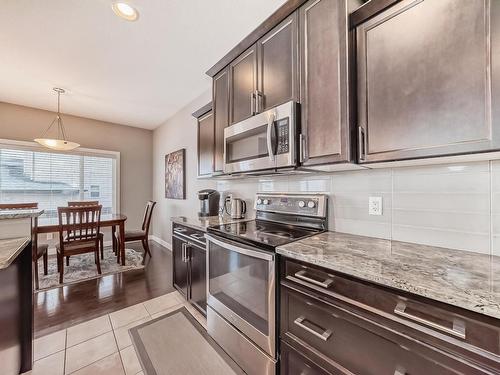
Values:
[(60, 143)]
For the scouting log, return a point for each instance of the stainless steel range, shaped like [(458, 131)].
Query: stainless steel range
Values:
[(241, 276)]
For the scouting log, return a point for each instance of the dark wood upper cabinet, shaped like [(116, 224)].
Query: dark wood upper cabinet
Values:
[(429, 91), (324, 82), (221, 115), (265, 75), (278, 65), (206, 140), (243, 85)]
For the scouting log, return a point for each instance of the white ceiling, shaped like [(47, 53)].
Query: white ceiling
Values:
[(132, 73)]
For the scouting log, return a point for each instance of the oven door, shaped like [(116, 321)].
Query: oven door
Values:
[(264, 141), (241, 288)]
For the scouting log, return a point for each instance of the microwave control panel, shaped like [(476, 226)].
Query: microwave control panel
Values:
[(283, 131)]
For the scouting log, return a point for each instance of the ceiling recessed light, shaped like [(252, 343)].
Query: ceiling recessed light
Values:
[(125, 11)]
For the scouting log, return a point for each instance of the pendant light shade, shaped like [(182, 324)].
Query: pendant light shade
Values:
[(60, 143)]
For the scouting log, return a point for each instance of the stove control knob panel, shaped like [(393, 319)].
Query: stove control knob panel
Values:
[(302, 204), (311, 204)]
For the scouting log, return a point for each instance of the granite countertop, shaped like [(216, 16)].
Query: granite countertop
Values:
[(202, 223), (19, 214), (10, 249), (460, 278)]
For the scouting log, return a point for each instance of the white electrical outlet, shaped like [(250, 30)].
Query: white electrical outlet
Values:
[(50, 236), (375, 205)]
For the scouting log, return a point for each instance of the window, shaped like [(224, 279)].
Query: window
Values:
[(31, 174)]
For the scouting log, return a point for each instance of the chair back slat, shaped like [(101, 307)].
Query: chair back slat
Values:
[(148, 213), (82, 222), (82, 203)]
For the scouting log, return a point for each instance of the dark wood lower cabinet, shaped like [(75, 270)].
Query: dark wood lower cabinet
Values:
[(198, 269), (294, 363), (180, 268), (336, 329), (16, 314), (189, 265)]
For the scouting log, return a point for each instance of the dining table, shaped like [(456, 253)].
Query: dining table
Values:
[(50, 224)]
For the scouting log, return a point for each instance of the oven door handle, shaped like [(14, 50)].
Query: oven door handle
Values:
[(238, 249), (270, 126)]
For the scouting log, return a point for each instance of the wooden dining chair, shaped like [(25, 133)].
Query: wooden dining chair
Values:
[(83, 223), (83, 204), (142, 234), (39, 250)]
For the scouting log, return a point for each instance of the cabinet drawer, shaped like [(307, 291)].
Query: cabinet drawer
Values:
[(294, 363), (422, 320), (188, 233), (358, 345)]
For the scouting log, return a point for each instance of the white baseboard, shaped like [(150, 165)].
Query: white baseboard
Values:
[(161, 242)]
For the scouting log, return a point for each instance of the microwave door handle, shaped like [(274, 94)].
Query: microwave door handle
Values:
[(270, 125)]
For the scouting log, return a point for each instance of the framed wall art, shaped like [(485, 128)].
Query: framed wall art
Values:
[(175, 176)]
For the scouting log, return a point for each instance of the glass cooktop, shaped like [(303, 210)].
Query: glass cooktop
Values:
[(262, 233)]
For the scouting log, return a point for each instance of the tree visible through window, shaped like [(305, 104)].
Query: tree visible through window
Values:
[(53, 179)]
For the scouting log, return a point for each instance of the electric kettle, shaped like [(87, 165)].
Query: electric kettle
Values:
[(237, 207)]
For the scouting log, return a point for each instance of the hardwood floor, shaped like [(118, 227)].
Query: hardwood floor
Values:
[(60, 308)]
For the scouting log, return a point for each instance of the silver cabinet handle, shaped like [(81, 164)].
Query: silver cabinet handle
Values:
[(458, 329), (323, 336), (270, 124), (252, 103), (399, 371), (183, 253), (361, 143), (187, 247), (302, 275), (258, 101)]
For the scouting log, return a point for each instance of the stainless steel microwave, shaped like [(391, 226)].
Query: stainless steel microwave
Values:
[(266, 141)]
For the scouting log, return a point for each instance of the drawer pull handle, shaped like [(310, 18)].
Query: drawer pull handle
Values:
[(180, 230), (399, 371), (458, 329), (302, 275), (323, 336)]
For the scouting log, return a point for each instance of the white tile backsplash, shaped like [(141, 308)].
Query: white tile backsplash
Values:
[(451, 205)]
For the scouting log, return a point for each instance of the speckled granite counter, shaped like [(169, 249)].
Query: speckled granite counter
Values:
[(10, 249), (464, 279), (19, 214), (202, 223)]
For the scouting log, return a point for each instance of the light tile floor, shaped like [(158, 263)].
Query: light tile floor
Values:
[(102, 345)]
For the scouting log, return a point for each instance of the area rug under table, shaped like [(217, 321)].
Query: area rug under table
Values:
[(82, 267), (176, 343)]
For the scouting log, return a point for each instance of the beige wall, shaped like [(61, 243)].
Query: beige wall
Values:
[(180, 131), (134, 144)]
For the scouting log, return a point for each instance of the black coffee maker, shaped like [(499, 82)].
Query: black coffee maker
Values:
[(209, 202)]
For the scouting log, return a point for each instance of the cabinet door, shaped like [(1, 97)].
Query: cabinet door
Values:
[(220, 102), (206, 144), (198, 270), (278, 65), (242, 85), (180, 268), (428, 91), (323, 93)]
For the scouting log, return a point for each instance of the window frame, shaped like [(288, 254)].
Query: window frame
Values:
[(35, 147)]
